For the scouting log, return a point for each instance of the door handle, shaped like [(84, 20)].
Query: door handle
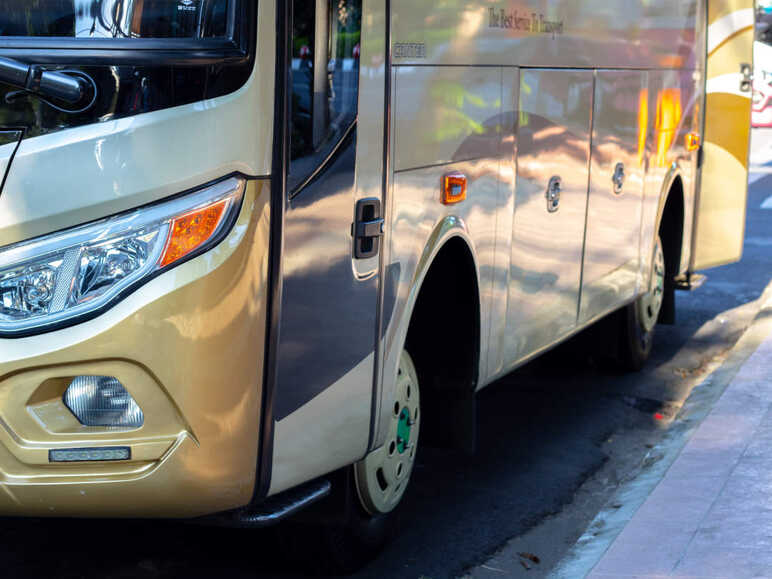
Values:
[(618, 178), (367, 229), (554, 189)]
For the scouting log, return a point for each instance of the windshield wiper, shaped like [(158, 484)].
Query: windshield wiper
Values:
[(34, 79)]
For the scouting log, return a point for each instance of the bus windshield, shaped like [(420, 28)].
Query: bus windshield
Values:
[(159, 19)]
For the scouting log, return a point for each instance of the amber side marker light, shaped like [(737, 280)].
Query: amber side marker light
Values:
[(191, 231), (693, 142), (453, 188)]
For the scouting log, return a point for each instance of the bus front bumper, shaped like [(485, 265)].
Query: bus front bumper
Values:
[(188, 346)]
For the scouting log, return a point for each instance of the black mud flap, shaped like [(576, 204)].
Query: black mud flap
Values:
[(453, 422)]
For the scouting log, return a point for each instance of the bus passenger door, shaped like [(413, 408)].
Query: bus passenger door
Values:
[(720, 216), (550, 205), (327, 331), (611, 256)]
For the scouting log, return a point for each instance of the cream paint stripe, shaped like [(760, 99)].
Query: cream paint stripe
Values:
[(728, 25), (728, 84)]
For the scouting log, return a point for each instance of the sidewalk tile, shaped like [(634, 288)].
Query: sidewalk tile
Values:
[(761, 445), (685, 500), (705, 462), (704, 558), (641, 550), (748, 399), (736, 531), (732, 433)]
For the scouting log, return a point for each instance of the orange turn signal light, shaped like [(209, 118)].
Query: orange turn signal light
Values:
[(693, 142), (191, 231), (453, 188)]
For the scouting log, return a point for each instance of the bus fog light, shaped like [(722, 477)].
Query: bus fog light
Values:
[(102, 401)]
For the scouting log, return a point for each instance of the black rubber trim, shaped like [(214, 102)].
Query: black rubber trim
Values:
[(90, 315), (379, 313), (20, 133), (278, 197), (328, 160), (109, 57)]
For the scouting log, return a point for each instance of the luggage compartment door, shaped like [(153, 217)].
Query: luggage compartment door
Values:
[(720, 216), (550, 207), (611, 254)]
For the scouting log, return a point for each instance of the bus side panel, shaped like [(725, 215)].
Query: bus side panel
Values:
[(673, 113), (723, 192), (447, 119), (547, 33)]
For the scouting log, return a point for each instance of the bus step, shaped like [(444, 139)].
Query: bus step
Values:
[(690, 282), (275, 509)]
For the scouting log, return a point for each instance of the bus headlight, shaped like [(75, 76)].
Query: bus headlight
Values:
[(64, 277)]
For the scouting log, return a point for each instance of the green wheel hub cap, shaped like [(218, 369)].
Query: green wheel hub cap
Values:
[(403, 431)]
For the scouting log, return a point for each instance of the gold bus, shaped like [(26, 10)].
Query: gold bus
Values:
[(249, 248)]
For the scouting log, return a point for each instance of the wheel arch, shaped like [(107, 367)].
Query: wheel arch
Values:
[(671, 224), (445, 348)]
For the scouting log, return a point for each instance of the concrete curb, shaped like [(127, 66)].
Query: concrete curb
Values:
[(610, 521)]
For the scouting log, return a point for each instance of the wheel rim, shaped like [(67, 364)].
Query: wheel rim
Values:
[(650, 305), (383, 476)]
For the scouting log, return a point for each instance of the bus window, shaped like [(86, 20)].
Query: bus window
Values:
[(324, 80), (117, 18)]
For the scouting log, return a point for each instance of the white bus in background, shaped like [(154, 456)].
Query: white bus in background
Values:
[(249, 251), (762, 85)]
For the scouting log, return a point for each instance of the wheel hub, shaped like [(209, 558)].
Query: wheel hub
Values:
[(650, 304), (404, 426), (382, 477)]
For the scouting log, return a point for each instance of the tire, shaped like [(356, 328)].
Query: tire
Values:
[(339, 548), (374, 498), (637, 322)]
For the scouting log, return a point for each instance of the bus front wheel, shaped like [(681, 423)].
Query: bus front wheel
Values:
[(375, 488)]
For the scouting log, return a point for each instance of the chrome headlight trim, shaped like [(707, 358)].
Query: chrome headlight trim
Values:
[(67, 247)]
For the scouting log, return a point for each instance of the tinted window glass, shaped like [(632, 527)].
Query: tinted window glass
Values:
[(116, 18), (325, 80)]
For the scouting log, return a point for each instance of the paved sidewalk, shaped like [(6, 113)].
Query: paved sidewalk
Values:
[(711, 515)]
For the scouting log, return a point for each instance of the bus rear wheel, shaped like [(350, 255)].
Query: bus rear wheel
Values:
[(639, 319)]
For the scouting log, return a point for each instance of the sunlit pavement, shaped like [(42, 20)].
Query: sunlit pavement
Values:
[(711, 514)]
